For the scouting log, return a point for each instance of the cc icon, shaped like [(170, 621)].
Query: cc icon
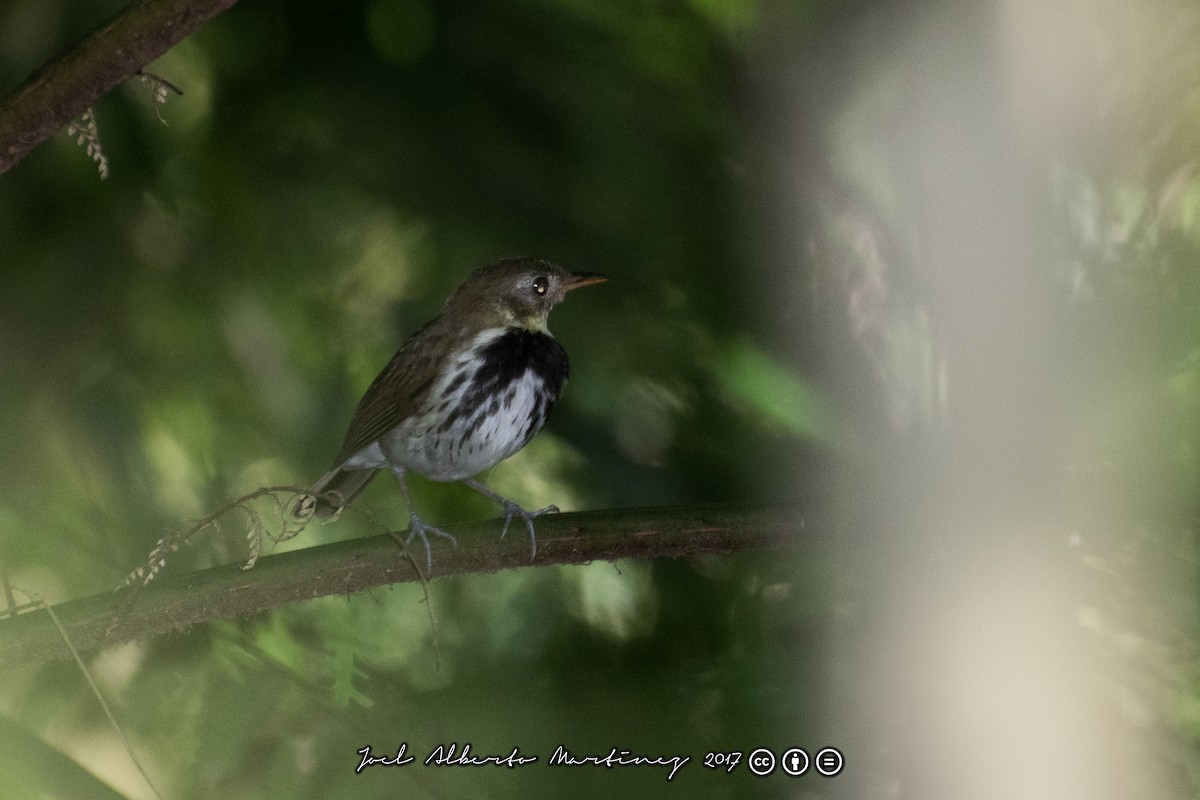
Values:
[(761, 762)]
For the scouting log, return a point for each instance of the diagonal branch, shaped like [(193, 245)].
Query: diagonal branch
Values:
[(357, 564), (67, 86)]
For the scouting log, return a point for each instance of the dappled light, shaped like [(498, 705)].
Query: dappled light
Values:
[(616, 602), (914, 283)]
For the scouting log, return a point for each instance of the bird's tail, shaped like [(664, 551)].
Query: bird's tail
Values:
[(335, 490)]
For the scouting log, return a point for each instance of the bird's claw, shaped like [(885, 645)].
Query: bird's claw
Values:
[(418, 527), (511, 510)]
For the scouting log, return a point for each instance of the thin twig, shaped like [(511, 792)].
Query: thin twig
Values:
[(9, 599), (87, 675)]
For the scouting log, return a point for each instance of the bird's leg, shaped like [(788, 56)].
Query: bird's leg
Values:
[(416, 525), (511, 510)]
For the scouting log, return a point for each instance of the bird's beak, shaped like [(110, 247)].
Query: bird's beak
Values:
[(577, 279)]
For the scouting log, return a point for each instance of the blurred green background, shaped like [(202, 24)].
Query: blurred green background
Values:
[(764, 184), (202, 322)]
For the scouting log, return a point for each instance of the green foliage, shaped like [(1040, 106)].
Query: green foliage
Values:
[(781, 398), (201, 324)]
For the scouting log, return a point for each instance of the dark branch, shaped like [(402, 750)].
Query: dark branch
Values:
[(358, 564), (64, 88)]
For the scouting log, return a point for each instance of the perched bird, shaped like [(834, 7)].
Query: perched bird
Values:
[(463, 393)]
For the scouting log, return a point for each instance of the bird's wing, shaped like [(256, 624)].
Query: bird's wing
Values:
[(396, 394)]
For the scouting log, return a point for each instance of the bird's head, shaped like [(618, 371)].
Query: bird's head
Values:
[(516, 291)]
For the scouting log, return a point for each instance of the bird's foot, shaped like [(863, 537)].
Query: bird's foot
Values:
[(417, 527), (511, 510)]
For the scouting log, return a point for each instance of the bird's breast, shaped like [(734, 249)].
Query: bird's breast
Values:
[(485, 405)]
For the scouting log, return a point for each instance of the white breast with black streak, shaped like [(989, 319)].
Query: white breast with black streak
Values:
[(484, 406)]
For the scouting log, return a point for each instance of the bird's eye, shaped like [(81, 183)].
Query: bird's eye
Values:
[(540, 284)]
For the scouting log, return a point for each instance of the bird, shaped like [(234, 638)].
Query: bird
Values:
[(462, 394)]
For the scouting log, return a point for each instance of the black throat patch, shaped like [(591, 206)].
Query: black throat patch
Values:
[(510, 355)]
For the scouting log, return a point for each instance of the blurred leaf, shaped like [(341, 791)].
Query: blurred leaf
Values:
[(772, 392)]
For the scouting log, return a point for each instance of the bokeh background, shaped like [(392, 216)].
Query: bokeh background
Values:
[(926, 270)]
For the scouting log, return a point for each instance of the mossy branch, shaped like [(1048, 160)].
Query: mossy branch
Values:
[(66, 87), (357, 564)]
